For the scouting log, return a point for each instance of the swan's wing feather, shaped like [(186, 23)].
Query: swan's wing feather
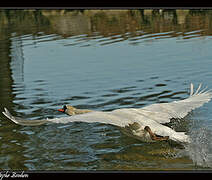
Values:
[(163, 112), (21, 121)]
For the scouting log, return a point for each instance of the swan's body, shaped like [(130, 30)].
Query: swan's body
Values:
[(153, 116)]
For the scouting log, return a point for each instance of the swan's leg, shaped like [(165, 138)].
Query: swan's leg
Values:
[(154, 136)]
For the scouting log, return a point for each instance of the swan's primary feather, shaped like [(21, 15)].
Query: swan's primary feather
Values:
[(21, 121), (163, 112)]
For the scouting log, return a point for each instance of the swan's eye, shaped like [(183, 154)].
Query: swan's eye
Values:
[(64, 107)]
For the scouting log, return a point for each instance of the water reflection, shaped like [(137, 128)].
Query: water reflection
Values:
[(100, 60), (114, 25)]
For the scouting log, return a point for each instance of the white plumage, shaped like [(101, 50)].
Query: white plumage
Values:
[(154, 116)]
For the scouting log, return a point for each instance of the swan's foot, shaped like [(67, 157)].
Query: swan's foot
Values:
[(154, 136)]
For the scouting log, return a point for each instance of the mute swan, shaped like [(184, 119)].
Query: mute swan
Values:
[(145, 123)]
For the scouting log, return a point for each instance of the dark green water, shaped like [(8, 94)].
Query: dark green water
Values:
[(101, 60)]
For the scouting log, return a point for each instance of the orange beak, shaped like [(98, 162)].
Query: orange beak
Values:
[(61, 110)]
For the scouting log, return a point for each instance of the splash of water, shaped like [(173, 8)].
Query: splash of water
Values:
[(200, 148)]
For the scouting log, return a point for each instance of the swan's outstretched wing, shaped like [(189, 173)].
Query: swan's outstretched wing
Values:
[(21, 121), (163, 112), (96, 116)]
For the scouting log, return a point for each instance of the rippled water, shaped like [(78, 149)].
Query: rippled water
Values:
[(101, 69)]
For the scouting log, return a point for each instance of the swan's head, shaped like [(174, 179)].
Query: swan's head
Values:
[(70, 110)]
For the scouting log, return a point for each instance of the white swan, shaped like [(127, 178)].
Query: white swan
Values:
[(145, 123)]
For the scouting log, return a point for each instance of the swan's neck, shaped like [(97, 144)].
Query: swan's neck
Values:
[(82, 111)]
